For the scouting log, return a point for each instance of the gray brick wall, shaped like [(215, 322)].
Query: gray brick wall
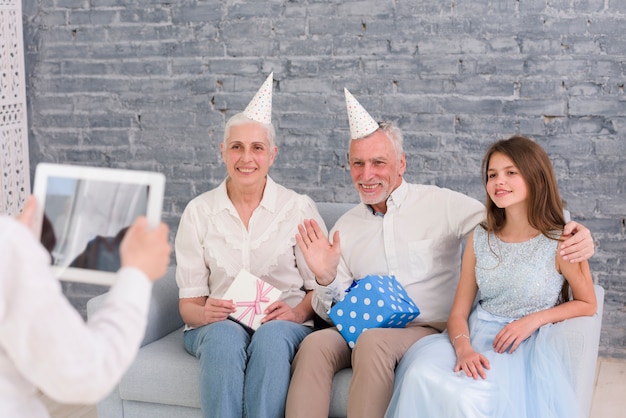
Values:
[(147, 84)]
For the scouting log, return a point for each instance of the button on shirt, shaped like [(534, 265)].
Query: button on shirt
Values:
[(213, 245), (418, 240)]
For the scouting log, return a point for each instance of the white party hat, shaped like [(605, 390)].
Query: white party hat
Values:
[(361, 123), (260, 107)]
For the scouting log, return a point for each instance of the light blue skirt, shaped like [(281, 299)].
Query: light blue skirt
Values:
[(534, 381)]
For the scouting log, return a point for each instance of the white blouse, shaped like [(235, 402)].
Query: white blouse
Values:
[(213, 245)]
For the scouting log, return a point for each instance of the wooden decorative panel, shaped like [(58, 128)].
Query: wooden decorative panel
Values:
[(15, 172)]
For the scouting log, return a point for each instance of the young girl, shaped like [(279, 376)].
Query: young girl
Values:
[(506, 356)]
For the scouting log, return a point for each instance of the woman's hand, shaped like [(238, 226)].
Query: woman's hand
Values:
[(471, 362), (216, 310), (280, 310), (515, 332)]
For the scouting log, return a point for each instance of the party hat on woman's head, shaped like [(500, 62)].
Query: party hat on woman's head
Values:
[(260, 107), (361, 123)]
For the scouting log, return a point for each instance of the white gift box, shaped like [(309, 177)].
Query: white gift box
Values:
[(252, 296)]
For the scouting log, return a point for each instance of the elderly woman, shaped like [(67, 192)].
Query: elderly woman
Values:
[(247, 223)]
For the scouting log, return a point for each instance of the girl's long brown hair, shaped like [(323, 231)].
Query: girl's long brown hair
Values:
[(545, 207)]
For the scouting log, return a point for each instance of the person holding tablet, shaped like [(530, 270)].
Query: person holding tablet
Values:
[(247, 223), (44, 342)]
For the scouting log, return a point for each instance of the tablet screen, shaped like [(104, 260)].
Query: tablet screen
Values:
[(85, 214)]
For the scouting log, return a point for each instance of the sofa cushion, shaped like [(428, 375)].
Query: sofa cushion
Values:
[(163, 373), (330, 212), (134, 409), (339, 394)]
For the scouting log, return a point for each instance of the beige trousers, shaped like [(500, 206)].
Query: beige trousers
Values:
[(373, 361)]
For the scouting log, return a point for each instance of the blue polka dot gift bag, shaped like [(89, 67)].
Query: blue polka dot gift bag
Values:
[(372, 302)]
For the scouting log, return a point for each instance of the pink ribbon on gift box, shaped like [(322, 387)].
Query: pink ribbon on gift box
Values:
[(254, 306)]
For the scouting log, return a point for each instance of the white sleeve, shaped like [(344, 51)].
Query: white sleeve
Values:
[(46, 338), (464, 213), (324, 297), (192, 274)]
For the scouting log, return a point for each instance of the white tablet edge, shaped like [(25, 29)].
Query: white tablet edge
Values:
[(156, 182)]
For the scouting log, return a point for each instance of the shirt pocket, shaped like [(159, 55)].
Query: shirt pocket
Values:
[(421, 259)]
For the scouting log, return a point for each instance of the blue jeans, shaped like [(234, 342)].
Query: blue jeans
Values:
[(243, 375)]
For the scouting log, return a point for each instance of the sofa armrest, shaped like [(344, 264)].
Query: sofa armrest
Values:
[(163, 316), (583, 335)]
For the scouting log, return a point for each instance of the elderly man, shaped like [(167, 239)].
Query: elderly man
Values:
[(408, 230)]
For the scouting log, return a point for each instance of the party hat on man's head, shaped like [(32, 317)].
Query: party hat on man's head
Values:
[(361, 123), (260, 107)]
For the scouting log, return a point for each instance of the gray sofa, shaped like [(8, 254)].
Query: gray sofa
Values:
[(163, 380)]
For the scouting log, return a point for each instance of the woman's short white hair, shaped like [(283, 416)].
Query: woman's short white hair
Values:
[(241, 119)]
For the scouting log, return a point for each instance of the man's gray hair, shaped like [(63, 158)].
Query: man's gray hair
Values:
[(394, 134), (241, 119)]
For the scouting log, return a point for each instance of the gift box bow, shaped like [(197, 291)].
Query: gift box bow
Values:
[(253, 307), (372, 302), (251, 296)]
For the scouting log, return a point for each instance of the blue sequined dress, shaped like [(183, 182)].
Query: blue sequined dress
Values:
[(514, 279)]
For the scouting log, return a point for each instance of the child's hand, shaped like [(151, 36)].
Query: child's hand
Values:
[(27, 215), (146, 249), (514, 333), (472, 363)]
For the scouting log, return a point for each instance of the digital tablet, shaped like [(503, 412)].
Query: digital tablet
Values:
[(84, 212)]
